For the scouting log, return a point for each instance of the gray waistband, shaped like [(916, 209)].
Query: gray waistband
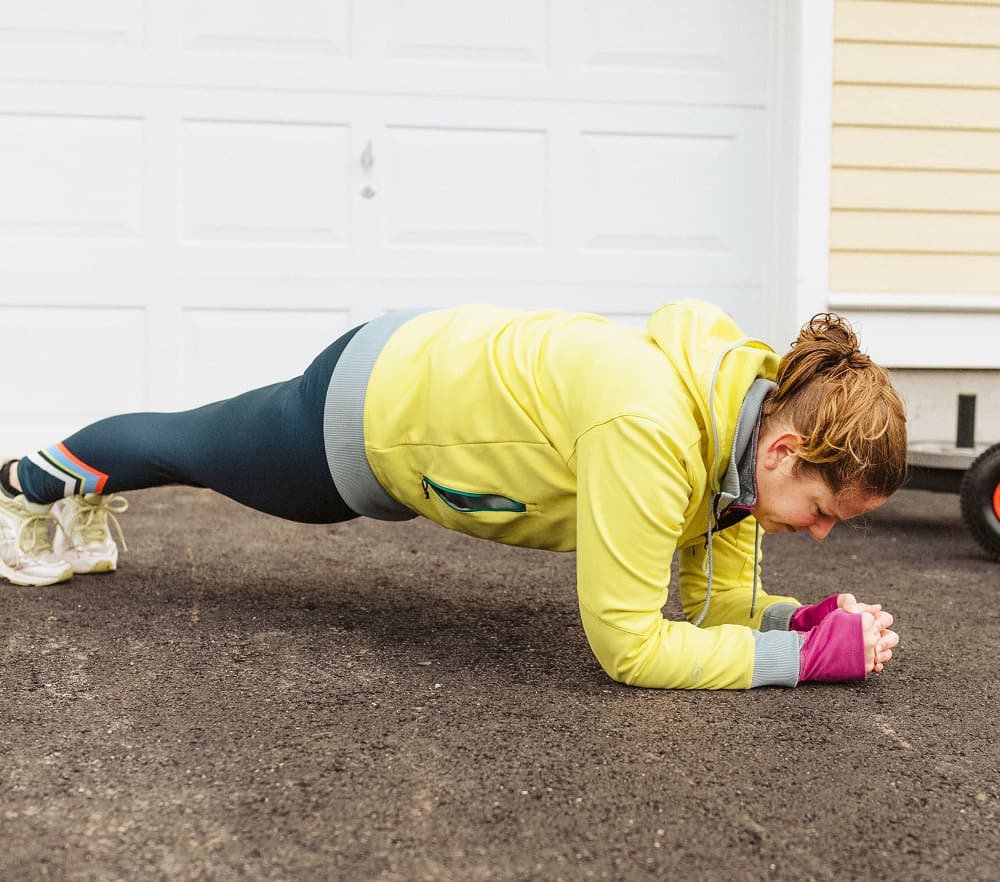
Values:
[(343, 422)]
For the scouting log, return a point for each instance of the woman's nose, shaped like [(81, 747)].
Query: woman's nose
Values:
[(821, 528)]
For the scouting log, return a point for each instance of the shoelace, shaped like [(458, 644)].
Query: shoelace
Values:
[(33, 535), (90, 519)]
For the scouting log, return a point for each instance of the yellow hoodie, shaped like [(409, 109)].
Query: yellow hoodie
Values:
[(561, 431)]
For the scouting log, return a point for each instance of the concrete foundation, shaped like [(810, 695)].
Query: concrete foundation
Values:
[(931, 398)]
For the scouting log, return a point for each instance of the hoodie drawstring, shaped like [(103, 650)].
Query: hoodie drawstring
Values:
[(708, 544), (714, 494), (756, 564)]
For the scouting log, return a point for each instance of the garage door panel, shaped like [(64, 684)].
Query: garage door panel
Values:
[(685, 182), (259, 181), (205, 165), (651, 51), (519, 192), (475, 265), (619, 299), (86, 23), (66, 176), (663, 35), (475, 31), (228, 351), (75, 333), (701, 49), (450, 187), (292, 27)]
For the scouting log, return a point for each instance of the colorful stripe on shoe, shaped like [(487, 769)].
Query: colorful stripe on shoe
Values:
[(76, 475)]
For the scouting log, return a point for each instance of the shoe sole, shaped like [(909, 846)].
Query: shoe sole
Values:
[(101, 566), (17, 577), (83, 561)]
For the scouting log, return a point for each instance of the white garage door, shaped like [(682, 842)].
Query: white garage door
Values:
[(197, 195)]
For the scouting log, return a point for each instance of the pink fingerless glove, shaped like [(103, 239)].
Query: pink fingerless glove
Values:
[(805, 618), (834, 650)]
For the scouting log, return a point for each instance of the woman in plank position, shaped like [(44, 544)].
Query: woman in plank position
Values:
[(547, 430)]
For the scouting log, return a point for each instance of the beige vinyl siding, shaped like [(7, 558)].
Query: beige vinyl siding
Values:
[(915, 177)]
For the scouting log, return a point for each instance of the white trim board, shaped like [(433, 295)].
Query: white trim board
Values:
[(917, 330), (943, 337), (913, 302), (800, 90), (815, 115)]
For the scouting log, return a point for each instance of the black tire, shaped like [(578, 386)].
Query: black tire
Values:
[(981, 500)]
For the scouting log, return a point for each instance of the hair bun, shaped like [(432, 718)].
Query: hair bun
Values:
[(831, 329), (843, 405), (857, 360), (833, 342)]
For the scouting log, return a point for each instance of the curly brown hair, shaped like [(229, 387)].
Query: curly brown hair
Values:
[(851, 419)]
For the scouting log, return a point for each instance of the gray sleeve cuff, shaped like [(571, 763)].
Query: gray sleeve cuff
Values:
[(776, 658), (777, 616)]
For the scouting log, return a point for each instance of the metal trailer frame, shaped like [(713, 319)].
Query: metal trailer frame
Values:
[(969, 469)]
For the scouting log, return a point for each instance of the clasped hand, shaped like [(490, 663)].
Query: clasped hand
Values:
[(876, 626)]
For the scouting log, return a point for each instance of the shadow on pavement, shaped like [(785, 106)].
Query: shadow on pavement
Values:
[(251, 699)]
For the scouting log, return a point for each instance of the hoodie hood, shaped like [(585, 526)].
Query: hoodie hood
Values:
[(721, 372), (718, 364)]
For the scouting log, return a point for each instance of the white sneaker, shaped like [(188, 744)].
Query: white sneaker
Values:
[(26, 556), (83, 537)]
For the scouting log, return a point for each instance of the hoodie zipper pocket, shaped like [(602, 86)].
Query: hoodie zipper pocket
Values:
[(463, 501)]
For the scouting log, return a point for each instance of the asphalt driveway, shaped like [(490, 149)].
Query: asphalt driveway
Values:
[(249, 699)]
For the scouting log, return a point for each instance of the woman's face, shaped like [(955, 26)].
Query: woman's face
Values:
[(791, 501)]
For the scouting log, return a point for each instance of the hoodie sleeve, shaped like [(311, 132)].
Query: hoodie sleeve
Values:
[(633, 491), (733, 560)]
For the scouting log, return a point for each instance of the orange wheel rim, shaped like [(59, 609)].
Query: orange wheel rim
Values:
[(996, 501)]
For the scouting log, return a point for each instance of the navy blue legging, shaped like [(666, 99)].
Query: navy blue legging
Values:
[(263, 448)]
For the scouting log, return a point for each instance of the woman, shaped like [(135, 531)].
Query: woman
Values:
[(547, 430)]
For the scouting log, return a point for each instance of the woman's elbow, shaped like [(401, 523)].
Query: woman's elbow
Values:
[(625, 660)]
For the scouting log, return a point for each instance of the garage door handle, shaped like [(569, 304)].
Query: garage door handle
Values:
[(368, 157)]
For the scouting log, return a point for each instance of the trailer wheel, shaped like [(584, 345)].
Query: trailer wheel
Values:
[(981, 500)]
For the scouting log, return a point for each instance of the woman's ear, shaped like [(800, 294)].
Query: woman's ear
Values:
[(781, 446)]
